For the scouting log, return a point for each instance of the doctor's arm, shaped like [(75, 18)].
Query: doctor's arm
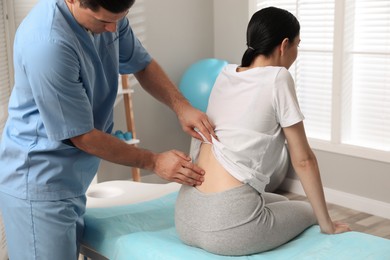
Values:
[(305, 165), (154, 80), (171, 165)]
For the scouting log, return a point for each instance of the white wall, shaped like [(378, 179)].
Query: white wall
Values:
[(230, 22), (363, 177), (180, 32)]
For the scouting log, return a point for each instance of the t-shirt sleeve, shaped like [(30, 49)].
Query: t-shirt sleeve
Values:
[(133, 57), (53, 73), (285, 100)]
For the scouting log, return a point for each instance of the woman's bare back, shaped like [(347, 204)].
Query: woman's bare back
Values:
[(216, 178)]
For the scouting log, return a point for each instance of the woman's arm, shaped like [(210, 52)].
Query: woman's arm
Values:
[(171, 165), (306, 167), (154, 80)]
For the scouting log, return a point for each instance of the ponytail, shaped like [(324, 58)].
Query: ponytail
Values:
[(248, 57)]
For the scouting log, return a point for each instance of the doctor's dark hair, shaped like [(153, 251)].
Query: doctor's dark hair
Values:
[(114, 6), (267, 29)]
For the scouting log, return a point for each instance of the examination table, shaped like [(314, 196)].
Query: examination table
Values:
[(145, 230)]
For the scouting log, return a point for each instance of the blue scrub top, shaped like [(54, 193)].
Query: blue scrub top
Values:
[(66, 83)]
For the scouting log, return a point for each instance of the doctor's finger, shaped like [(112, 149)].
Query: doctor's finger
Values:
[(204, 132), (190, 169), (192, 132), (180, 178), (190, 177), (206, 129)]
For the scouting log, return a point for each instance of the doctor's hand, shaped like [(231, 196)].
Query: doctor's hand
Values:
[(176, 166), (191, 118)]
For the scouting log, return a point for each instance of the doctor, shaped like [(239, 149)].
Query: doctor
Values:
[(67, 56)]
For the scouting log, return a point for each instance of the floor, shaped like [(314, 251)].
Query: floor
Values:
[(359, 221)]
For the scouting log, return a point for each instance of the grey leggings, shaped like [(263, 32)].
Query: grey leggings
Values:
[(239, 221)]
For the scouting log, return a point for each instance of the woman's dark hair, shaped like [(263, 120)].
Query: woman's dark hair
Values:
[(266, 30), (114, 6)]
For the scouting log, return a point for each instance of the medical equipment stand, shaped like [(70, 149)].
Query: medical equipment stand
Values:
[(126, 92)]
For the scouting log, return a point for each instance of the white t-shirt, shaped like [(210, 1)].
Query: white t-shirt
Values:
[(249, 109)]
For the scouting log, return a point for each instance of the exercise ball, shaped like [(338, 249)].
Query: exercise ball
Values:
[(198, 80)]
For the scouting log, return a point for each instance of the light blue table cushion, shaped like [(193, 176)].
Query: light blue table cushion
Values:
[(146, 231)]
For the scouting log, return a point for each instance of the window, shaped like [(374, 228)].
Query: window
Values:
[(342, 73), (367, 74)]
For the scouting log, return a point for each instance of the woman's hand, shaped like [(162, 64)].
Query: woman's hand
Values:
[(176, 166), (336, 228), (305, 165)]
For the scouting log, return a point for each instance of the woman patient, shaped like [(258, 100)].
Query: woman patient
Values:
[(255, 110)]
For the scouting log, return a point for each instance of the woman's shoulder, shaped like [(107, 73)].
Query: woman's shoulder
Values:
[(274, 74), (270, 74), (282, 75)]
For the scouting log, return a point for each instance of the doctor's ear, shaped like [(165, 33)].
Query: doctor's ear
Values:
[(284, 46)]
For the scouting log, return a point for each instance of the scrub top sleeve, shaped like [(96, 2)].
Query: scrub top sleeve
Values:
[(133, 57), (53, 72), (285, 100)]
